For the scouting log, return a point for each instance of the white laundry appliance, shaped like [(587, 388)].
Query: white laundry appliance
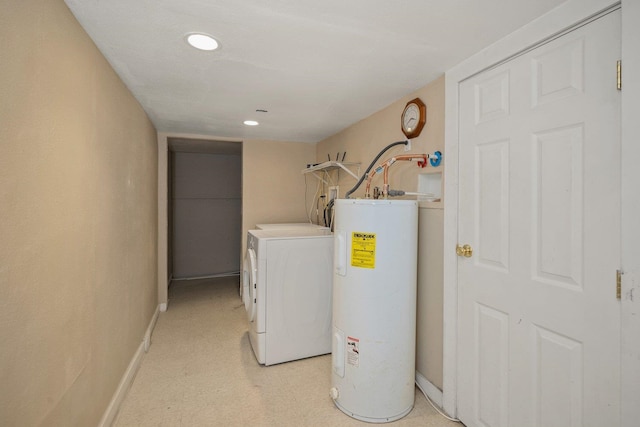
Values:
[(283, 226), (288, 225), (287, 281)]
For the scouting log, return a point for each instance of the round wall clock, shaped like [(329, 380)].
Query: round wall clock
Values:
[(414, 116)]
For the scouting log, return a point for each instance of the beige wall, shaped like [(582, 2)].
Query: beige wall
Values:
[(272, 183), (429, 313), (362, 142), (78, 168)]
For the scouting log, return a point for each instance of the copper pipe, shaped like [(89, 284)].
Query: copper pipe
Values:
[(422, 162)]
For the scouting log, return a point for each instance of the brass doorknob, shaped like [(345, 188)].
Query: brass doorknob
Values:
[(464, 251)]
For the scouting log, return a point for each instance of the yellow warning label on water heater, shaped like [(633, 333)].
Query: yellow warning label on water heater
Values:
[(363, 250)]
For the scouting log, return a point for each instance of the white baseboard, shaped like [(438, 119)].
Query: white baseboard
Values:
[(430, 390), (211, 276), (110, 413), (152, 325)]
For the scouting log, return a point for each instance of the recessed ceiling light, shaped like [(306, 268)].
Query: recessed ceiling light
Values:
[(202, 41), (251, 123)]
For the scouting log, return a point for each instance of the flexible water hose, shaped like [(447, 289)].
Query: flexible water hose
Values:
[(364, 175)]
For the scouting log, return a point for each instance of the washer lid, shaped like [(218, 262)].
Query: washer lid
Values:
[(249, 278)]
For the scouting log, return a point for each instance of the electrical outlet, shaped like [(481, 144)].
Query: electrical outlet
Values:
[(334, 193)]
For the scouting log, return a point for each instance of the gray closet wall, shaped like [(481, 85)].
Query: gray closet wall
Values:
[(206, 210)]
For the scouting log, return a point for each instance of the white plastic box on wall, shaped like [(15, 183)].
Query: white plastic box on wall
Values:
[(430, 183)]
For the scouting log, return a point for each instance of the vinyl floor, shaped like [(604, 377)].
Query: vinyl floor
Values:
[(200, 371)]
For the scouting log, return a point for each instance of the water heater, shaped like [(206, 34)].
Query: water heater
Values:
[(374, 308)]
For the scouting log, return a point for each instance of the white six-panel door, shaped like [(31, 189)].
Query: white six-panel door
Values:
[(539, 203)]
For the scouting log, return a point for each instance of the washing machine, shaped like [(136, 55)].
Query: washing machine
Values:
[(287, 225), (282, 226), (287, 281)]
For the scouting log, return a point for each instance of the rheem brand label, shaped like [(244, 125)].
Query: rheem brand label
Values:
[(363, 249)]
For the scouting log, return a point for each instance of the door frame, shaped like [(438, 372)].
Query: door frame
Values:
[(164, 274), (549, 26)]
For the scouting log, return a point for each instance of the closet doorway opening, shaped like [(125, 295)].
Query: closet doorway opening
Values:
[(204, 208)]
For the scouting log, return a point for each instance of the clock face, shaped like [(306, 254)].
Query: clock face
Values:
[(411, 118)]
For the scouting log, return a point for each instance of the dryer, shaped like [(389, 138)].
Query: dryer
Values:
[(287, 281), (285, 225), (282, 226)]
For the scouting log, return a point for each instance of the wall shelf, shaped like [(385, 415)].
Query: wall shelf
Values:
[(333, 165)]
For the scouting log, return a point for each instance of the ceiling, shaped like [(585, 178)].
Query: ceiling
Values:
[(316, 66)]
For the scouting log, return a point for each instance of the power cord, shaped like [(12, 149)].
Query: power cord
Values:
[(438, 410), (313, 200)]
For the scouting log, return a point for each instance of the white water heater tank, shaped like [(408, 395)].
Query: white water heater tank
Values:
[(374, 308)]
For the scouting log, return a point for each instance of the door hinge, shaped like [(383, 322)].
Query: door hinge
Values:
[(618, 284), (619, 75)]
